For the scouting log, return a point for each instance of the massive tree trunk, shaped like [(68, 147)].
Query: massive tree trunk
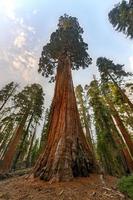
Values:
[(8, 158), (67, 153)]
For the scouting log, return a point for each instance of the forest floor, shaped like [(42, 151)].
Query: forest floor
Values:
[(90, 188)]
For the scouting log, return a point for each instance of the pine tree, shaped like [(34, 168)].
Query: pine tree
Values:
[(27, 102), (44, 134), (108, 140), (113, 72), (6, 93), (108, 71)]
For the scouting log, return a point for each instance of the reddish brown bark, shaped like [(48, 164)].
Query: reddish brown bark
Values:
[(67, 153), (8, 158), (128, 158), (28, 161), (126, 136), (125, 155)]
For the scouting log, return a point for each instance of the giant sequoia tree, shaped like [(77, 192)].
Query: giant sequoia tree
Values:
[(67, 154)]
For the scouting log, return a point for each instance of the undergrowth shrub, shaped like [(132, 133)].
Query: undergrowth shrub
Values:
[(125, 185)]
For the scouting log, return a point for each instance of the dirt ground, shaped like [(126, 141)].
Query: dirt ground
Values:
[(90, 188)]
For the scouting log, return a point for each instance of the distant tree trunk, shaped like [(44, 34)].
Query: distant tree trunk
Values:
[(28, 160), (4, 143), (85, 118), (2, 131), (22, 142), (129, 160), (44, 134), (131, 3), (126, 136), (8, 158), (125, 155), (67, 154)]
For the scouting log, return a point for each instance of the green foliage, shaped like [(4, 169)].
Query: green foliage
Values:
[(111, 77), (30, 98), (125, 185), (6, 90), (35, 152), (66, 40), (82, 105), (6, 93), (121, 17), (106, 132), (106, 68)]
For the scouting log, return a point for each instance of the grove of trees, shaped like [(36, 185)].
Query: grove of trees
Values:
[(86, 129)]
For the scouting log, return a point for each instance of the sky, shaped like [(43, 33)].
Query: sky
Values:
[(26, 26)]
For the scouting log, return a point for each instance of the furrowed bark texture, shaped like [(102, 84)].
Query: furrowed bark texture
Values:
[(67, 153)]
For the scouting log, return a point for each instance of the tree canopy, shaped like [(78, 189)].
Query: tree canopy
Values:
[(121, 17), (67, 39), (107, 67)]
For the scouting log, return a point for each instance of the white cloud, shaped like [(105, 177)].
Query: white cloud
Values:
[(26, 75), (16, 64), (31, 29), (9, 8), (32, 62), (26, 65), (20, 40)]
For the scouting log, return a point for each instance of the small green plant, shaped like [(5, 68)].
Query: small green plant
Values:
[(125, 184)]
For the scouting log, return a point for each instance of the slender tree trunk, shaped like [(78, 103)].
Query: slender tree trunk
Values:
[(126, 136), (22, 143), (87, 130), (67, 154), (129, 160), (28, 160), (86, 122), (125, 155), (8, 158), (131, 3), (2, 131), (4, 143)]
